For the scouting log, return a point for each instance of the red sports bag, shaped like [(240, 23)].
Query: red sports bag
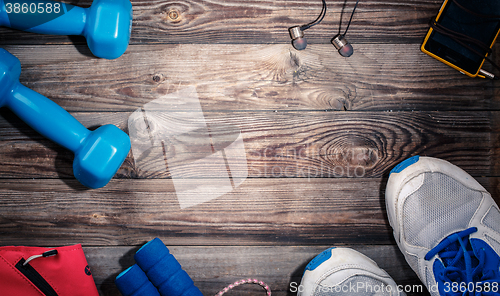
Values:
[(36, 271)]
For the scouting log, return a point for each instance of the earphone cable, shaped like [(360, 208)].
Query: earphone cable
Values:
[(350, 19), (487, 16), (460, 38), (318, 19)]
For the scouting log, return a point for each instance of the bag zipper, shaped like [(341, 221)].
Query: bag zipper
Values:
[(31, 274)]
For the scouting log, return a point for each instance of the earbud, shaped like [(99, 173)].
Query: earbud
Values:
[(299, 42), (342, 45), (297, 35)]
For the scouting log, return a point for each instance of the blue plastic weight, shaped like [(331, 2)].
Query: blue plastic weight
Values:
[(164, 271), (106, 24), (98, 154), (134, 282)]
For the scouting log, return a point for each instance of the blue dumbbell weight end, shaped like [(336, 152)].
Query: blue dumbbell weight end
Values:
[(134, 282), (164, 271), (98, 154), (106, 24)]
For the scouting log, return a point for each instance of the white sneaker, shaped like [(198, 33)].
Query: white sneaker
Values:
[(343, 271), (447, 226)]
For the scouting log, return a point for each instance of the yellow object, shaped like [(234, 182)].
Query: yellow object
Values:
[(477, 73)]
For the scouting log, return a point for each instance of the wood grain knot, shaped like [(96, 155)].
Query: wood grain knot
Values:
[(353, 151), (158, 77), (173, 15)]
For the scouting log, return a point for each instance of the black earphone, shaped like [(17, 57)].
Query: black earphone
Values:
[(339, 42), (297, 32), (342, 45)]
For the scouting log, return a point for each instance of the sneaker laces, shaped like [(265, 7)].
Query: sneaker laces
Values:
[(463, 266)]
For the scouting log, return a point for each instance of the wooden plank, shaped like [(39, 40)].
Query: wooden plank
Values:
[(257, 21), (259, 212), (495, 160), (254, 77), (266, 148), (270, 212), (280, 144), (213, 268)]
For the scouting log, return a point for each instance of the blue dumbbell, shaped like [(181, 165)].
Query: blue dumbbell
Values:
[(162, 269), (98, 154), (134, 282), (106, 24)]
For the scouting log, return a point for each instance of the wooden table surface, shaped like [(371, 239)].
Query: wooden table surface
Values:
[(320, 135)]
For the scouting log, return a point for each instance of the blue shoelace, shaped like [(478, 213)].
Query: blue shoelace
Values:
[(464, 272)]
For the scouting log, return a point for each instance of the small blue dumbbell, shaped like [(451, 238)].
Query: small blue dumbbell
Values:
[(163, 270), (106, 24), (134, 282), (98, 154)]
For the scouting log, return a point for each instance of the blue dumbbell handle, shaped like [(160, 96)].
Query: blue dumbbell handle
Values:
[(71, 20), (164, 271), (46, 117)]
